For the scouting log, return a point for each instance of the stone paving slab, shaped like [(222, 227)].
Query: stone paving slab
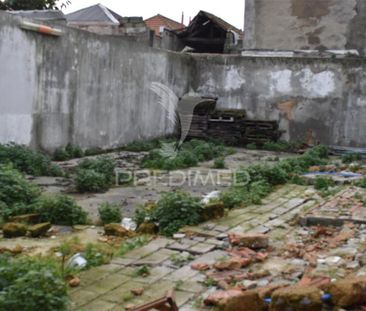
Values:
[(111, 289)]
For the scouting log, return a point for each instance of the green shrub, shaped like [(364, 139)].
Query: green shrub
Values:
[(28, 284), (190, 154), (176, 210), (95, 175), (16, 193), (67, 153), (60, 210), (323, 183), (351, 157), (141, 146), (110, 213), (103, 165), (91, 181), (361, 183), (251, 146), (95, 256), (258, 180), (273, 175), (276, 146), (28, 161), (219, 163)]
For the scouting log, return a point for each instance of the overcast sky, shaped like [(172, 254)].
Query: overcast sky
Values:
[(231, 11)]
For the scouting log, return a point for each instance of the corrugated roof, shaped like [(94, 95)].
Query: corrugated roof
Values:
[(94, 14)]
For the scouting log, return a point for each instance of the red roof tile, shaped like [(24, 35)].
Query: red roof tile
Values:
[(156, 22)]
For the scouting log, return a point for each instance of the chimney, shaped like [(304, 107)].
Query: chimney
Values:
[(182, 18)]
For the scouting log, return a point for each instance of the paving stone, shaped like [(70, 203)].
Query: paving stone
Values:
[(82, 297), (216, 242), (222, 229), (148, 249), (199, 239), (202, 248), (122, 261), (275, 223), (183, 297), (210, 258), (191, 287), (156, 258), (183, 245), (108, 283), (99, 305), (155, 275), (261, 229), (182, 274), (122, 293)]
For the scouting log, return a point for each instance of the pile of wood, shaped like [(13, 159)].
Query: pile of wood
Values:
[(232, 127), (259, 132)]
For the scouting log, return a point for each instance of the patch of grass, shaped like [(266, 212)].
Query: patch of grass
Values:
[(96, 255), (175, 210), (361, 183), (16, 193), (59, 210), (351, 157), (68, 153), (219, 163), (28, 161), (109, 213), (31, 284), (190, 155), (142, 146), (282, 146), (258, 180), (251, 146), (132, 244), (143, 271), (180, 260), (323, 183), (95, 175)]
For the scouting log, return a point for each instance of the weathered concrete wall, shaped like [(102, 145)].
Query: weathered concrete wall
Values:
[(313, 99), (305, 24), (82, 88), (94, 91)]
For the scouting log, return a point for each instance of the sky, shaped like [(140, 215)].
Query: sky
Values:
[(231, 11)]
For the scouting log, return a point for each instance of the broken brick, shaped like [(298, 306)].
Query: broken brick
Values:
[(233, 263), (137, 291), (251, 240), (215, 298), (200, 266)]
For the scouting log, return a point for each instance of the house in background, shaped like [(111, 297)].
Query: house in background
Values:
[(102, 20), (160, 23), (208, 33)]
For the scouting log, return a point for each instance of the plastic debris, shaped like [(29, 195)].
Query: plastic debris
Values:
[(211, 196), (129, 224), (77, 261)]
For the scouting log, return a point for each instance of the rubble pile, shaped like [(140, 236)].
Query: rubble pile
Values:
[(317, 268)]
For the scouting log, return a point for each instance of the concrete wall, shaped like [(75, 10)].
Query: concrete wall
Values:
[(94, 91), (315, 100), (82, 88), (305, 24)]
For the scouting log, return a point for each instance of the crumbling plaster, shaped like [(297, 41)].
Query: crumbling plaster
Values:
[(305, 24), (94, 91)]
